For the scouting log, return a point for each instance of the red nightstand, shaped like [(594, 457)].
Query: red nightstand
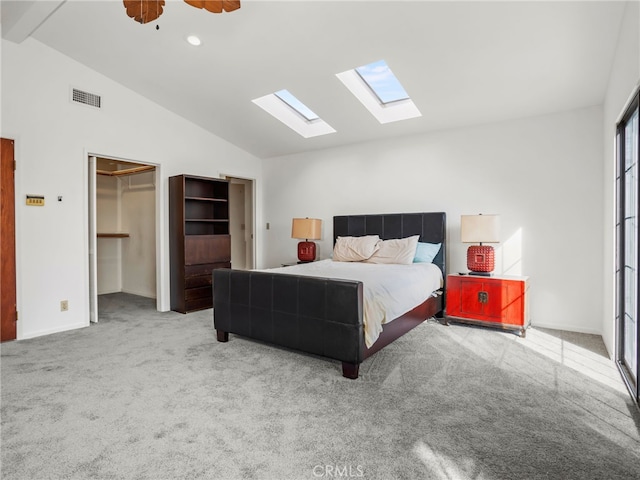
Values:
[(497, 301)]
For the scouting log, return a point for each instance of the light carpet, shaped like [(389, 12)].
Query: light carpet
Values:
[(149, 395)]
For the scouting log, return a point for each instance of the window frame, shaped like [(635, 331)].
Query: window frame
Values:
[(631, 379)]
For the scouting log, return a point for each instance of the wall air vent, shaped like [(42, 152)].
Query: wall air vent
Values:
[(86, 98)]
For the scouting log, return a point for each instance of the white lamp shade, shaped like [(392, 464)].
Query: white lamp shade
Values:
[(480, 228), (307, 228)]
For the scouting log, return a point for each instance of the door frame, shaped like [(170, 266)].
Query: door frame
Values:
[(162, 299), (229, 176)]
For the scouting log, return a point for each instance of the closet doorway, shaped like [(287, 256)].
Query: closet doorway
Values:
[(123, 239), (241, 222)]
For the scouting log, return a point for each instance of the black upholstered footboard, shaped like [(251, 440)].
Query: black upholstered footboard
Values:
[(320, 315), (315, 315)]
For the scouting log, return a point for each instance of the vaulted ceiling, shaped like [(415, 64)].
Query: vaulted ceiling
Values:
[(462, 63)]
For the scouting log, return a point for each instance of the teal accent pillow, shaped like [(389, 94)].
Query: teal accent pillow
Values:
[(426, 252)]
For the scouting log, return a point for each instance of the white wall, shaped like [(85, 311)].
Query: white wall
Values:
[(138, 220), (543, 176), (625, 75), (53, 140), (109, 251)]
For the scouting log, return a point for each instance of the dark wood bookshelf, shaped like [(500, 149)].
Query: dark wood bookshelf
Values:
[(199, 238)]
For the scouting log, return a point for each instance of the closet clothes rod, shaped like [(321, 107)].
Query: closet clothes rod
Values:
[(112, 235)]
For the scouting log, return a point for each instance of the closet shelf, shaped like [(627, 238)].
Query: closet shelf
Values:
[(208, 220), (126, 171), (207, 199)]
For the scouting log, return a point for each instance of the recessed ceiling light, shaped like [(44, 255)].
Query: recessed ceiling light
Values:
[(193, 40)]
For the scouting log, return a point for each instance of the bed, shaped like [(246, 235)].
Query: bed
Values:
[(319, 315)]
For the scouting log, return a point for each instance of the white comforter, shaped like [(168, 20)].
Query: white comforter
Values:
[(389, 290)]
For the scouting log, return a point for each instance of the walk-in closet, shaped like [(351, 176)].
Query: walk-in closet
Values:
[(126, 228)]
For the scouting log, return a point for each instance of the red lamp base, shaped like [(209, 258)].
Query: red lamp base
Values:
[(306, 251), (480, 259)]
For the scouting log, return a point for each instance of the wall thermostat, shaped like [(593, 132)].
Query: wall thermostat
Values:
[(35, 200)]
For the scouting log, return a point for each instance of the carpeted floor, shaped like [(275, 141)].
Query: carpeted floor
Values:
[(149, 395)]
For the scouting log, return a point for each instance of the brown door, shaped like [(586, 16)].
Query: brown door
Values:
[(8, 314)]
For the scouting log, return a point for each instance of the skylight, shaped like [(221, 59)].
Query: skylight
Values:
[(296, 104), (381, 80), (380, 92), (294, 114)]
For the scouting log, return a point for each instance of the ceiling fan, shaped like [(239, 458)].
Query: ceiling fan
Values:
[(145, 11)]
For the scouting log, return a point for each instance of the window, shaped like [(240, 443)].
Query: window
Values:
[(294, 114), (297, 105), (382, 82), (628, 247), (380, 92)]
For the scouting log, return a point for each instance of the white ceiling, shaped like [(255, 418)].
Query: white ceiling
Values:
[(463, 63)]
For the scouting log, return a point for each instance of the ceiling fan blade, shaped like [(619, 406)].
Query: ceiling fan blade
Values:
[(215, 6), (144, 11), (230, 5)]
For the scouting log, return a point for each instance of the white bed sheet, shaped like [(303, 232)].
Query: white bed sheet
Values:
[(389, 290)]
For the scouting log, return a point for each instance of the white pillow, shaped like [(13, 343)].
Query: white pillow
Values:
[(355, 249), (400, 251)]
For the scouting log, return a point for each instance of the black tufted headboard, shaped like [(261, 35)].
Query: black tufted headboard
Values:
[(431, 226)]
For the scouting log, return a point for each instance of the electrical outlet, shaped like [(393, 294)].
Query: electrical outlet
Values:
[(64, 305)]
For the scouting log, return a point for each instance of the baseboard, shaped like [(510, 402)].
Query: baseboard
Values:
[(108, 292), (140, 294), (567, 328), (65, 328)]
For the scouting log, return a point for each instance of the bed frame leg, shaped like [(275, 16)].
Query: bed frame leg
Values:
[(350, 370), (222, 336)]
